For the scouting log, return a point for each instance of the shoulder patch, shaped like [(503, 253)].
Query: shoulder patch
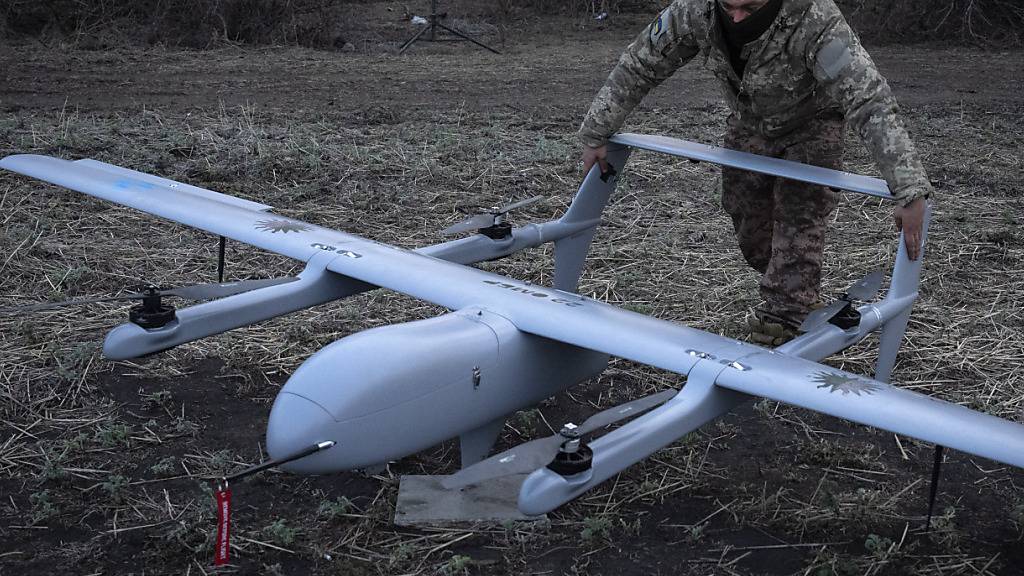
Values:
[(659, 25), (833, 58)]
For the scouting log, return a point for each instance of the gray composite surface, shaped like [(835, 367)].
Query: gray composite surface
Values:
[(541, 325)]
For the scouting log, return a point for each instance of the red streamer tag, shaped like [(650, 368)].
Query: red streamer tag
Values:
[(222, 548)]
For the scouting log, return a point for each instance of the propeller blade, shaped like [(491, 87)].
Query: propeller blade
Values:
[(521, 459), (222, 289), (866, 288), (487, 219), (627, 410), (510, 207), (50, 305), (471, 224), (537, 453), (862, 290), (822, 315)]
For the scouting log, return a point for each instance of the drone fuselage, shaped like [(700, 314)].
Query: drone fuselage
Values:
[(392, 391)]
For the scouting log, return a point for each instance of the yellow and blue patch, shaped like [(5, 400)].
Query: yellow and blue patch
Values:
[(658, 27)]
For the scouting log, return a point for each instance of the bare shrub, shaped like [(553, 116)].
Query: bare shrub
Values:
[(199, 23), (315, 23), (191, 23), (978, 22)]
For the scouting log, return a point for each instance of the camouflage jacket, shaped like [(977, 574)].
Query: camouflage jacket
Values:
[(808, 62)]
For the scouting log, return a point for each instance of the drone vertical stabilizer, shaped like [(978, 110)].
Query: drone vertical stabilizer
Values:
[(586, 207), (906, 276)]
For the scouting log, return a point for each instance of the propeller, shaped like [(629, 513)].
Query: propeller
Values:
[(540, 452), (487, 219), (193, 292), (862, 290)]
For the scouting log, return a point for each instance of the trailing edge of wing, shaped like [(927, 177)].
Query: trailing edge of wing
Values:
[(755, 163), (859, 399)]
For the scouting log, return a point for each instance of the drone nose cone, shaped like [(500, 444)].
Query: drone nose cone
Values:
[(296, 423)]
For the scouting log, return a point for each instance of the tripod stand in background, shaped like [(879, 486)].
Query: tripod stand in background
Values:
[(433, 23)]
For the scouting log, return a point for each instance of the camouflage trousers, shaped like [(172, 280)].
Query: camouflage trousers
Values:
[(780, 223)]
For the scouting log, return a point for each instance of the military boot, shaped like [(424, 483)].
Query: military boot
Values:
[(770, 328)]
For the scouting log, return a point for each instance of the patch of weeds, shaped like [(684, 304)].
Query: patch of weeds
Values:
[(691, 439), (833, 453), (332, 509), (695, 533), (596, 528), (828, 563), (944, 530), (640, 308), (222, 460), (527, 419), (273, 570), (865, 505), (194, 537), (155, 400), (649, 487), (71, 364), (764, 407), (185, 427), (551, 151), (31, 334), (113, 434), (631, 528), (76, 443), (279, 532), (165, 467), (457, 564), (53, 468), (878, 546), (43, 507), (69, 277), (401, 554), (116, 487), (208, 508)]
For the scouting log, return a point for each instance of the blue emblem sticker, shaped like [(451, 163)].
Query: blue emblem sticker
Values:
[(658, 27)]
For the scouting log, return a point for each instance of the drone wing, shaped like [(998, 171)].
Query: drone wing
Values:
[(592, 324), (214, 212), (549, 313), (859, 399)]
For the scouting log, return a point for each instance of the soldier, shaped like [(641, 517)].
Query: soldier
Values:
[(794, 74)]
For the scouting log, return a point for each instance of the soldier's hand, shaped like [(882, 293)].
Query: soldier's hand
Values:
[(593, 156), (910, 220)]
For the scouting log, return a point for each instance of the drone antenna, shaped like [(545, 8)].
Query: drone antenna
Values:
[(936, 467), (222, 496)]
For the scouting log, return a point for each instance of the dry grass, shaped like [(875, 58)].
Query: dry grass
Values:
[(114, 458)]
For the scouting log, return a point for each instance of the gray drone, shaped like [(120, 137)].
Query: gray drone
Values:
[(386, 393)]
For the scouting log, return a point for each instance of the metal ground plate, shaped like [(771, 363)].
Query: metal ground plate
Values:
[(422, 501)]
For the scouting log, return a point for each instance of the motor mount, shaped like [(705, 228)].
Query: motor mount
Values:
[(152, 313), (574, 457)]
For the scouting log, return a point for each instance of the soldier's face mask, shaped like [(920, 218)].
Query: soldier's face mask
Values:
[(736, 11), (748, 28)]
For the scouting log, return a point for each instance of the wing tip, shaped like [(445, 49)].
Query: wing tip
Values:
[(16, 161)]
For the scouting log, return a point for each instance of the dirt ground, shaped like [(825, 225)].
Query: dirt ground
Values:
[(105, 466)]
